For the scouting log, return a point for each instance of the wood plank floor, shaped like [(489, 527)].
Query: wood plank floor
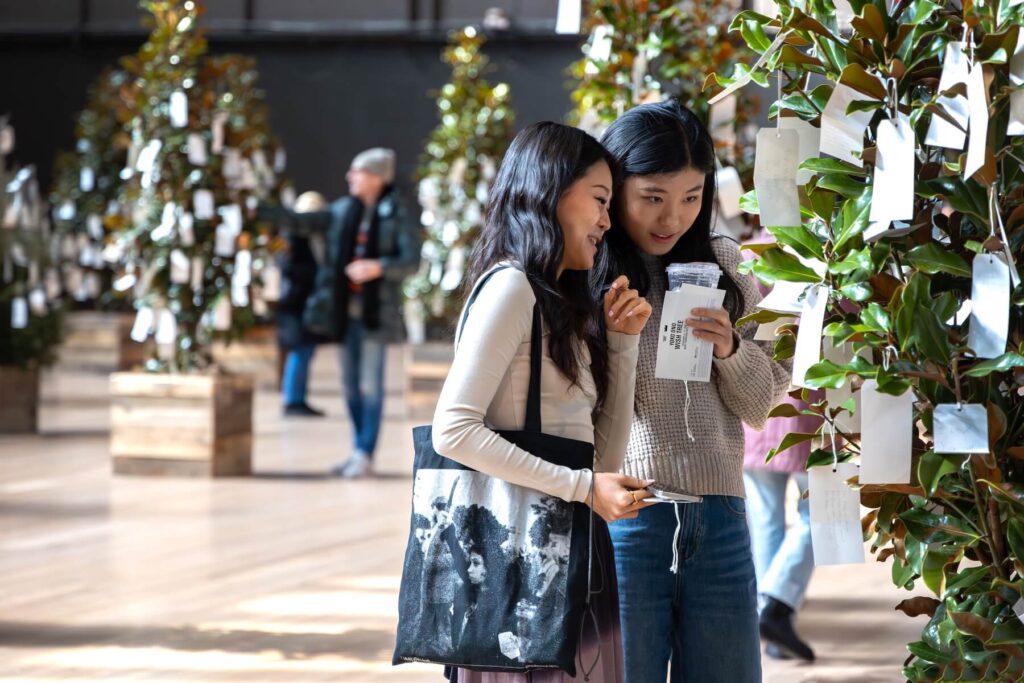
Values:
[(288, 575)]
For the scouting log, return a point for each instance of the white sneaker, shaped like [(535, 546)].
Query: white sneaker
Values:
[(356, 467)]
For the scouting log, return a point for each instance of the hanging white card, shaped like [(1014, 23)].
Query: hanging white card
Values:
[(240, 296), (143, 325), (844, 15), (836, 536), (232, 166), (885, 448), (1016, 126), (784, 297), (179, 109), (242, 274), (219, 120), (955, 70), (186, 230), (37, 301), (892, 197), (259, 304), (202, 205), (222, 314), (271, 277), (990, 313), (875, 231), (730, 190), (977, 103), (680, 354), (848, 422), (166, 327), (196, 149), (842, 134), (198, 272), (19, 313), (53, 287), (94, 226), (147, 157), (960, 428), (86, 179), (808, 338), (224, 241), (280, 160), (181, 267), (231, 216), (810, 143), (775, 165)]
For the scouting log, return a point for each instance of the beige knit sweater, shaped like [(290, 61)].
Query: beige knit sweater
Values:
[(744, 387)]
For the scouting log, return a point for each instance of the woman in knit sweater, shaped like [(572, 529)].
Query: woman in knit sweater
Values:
[(686, 577), (546, 217)]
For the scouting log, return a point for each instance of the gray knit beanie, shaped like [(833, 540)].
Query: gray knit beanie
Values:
[(379, 161)]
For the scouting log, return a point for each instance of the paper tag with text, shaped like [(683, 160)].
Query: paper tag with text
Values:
[(885, 447), (892, 196), (990, 309), (680, 354), (775, 165), (835, 515), (960, 428), (808, 338)]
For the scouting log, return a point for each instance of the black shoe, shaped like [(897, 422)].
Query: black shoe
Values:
[(776, 626), (302, 410), (775, 652)]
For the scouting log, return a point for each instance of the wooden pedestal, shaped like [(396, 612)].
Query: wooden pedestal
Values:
[(181, 425), (19, 400), (99, 342)]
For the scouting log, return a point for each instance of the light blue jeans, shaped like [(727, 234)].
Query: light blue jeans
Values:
[(782, 557), (363, 355), (296, 374), (704, 618)]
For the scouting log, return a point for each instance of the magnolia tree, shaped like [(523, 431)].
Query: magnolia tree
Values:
[(897, 242), (455, 175)]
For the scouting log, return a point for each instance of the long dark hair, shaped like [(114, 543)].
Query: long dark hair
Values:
[(651, 139), (521, 226)]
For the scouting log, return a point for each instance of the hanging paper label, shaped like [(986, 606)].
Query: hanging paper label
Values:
[(892, 196), (680, 354), (186, 230), (147, 157), (808, 338), (836, 536), (19, 313), (179, 109), (271, 277), (181, 267), (198, 270), (166, 328), (202, 205), (810, 143), (569, 15), (219, 120), (977, 103), (86, 179), (960, 428), (232, 166), (196, 149), (37, 301), (242, 274), (280, 160), (955, 70), (1017, 80), (885, 447), (842, 134), (730, 190), (143, 325), (231, 216), (785, 297), (222, 314), (94, 224), (224, 240), (775, 164), (990, 312), (846, 421)]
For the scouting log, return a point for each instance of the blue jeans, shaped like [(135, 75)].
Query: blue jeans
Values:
[(296, 374), (703, 618), (783, 558), (362, 377)]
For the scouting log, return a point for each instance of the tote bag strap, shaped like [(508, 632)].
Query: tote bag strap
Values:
[(533, 423)]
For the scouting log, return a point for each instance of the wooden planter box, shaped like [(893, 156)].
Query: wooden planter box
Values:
[(19, 400), (426, 368), (181, 425), (100, 342), (256, 354)]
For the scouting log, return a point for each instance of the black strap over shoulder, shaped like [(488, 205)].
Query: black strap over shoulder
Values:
[(533, 422)]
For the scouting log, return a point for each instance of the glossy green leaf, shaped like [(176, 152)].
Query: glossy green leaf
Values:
[(933, 258)]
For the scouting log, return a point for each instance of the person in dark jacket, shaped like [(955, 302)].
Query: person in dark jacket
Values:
[(372, 245), (298, 267)]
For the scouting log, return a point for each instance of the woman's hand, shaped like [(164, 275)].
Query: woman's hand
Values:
[(617, 496), (627, 311), (716, 327)]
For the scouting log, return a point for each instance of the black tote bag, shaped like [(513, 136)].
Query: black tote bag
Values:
[(496, 576)]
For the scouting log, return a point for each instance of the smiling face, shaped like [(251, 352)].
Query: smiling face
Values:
[(583, 216), (656, 210)]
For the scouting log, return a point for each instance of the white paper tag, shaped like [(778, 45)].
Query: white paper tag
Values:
[(86, 179), (202, 205), (955, 70), (893, 188), (179, 109), (775, 164), (19, 313), (836, 536), (730, 189), (167, 222), (198, 272), (181, 267), (222, 314), (990, 311), (977, 102), (280, 160), (288, 196), (842, 355), (143, 325), (242, 274), (224, 240), (186, 230), (196, 149), (1016, 126), (271, 277), (885, 447), (219, 120), (53, 287), (259, 304), (94, 225), (91, 284), (232, 166), (37, 301), (784, 297), (231, 216), (147, 157), (810, 143), (960, 428), (569, 15), (808, 338), (166, 328), (680, 354), (239, 296), (842, 134)]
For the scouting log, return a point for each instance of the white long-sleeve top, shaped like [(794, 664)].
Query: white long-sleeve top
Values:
[(487, 386)]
